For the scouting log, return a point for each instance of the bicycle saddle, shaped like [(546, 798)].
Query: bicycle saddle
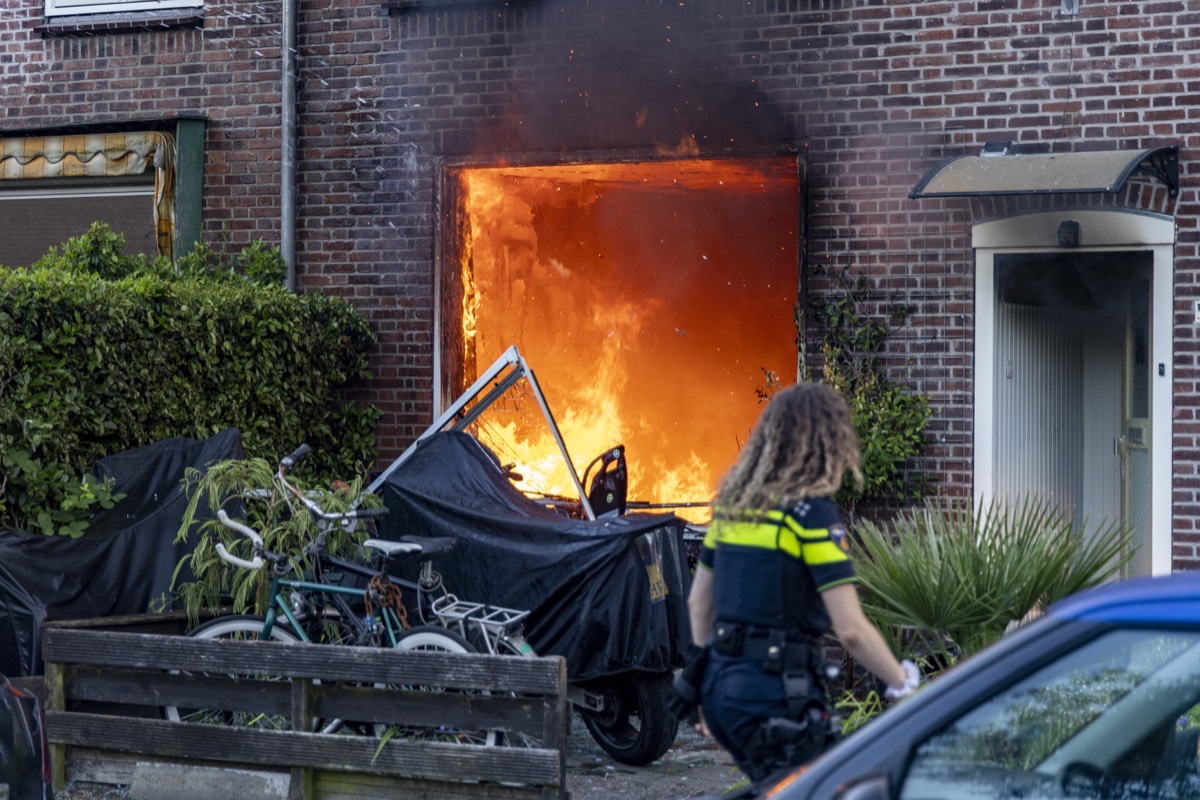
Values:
[(431, 546), (424, 546)]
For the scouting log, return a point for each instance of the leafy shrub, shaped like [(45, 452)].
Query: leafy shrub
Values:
[(945, 579), (889, 419), (101, 353), (954, 577)]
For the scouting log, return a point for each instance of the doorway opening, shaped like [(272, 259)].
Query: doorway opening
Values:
[(1073, 371), (655, 301)]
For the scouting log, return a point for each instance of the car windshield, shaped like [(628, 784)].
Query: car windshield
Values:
[(1115, 718)]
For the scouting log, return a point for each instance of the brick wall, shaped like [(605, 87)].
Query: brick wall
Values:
[(877, 91)]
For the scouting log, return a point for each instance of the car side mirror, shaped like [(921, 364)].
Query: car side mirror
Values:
[(872, 787)]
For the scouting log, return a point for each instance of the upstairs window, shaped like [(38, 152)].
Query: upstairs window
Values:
[(60, 8)]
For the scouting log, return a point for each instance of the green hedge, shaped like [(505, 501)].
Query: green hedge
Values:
[(100, 353)]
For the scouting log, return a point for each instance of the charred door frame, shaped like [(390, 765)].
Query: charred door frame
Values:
[(1102, 230)]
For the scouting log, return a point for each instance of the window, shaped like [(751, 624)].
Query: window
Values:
[(56, 8), (1116, 718), (33, 221), (145, 183)]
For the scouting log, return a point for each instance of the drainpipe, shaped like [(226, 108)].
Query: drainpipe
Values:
[(287, 169)]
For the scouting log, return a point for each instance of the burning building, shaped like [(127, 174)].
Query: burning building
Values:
[(639, 195), (632, 289)]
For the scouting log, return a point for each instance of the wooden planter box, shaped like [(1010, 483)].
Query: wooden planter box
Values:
[(104, 691)]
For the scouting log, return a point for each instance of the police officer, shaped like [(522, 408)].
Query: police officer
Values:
[(773, 578)]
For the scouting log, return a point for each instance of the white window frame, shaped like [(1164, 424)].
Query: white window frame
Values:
[(139, 188), (60, 8)]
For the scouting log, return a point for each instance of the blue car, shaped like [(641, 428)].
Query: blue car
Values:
[(1098, 698)]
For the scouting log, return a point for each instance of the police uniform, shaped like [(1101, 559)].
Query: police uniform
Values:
[(762, 696)]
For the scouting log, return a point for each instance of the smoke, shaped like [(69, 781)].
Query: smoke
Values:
[(1085, 290), (628, 74)]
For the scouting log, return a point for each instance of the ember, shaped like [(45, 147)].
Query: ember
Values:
[(651, 300)]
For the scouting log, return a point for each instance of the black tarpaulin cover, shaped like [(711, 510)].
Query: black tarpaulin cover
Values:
[(609, 595), (121, 565)]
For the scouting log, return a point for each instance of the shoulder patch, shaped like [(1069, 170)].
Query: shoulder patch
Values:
[(838, 534), (816, 512)]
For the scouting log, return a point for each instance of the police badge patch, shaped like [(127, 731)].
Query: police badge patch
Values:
[(838, 534)]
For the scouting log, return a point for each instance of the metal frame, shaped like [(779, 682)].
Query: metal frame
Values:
[(507, 370)]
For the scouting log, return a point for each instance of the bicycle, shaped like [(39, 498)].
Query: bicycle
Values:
[(327, 608), (489, 628)]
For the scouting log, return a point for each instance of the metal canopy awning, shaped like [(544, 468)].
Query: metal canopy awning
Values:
[(1047, 173)]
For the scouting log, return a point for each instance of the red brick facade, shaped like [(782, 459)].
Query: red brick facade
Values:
[(875, 93)]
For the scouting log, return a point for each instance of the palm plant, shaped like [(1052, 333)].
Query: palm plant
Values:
[(953, 577)]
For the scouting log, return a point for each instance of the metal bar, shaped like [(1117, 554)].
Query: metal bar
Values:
[(508, 358), (287, 135), (473, 413)]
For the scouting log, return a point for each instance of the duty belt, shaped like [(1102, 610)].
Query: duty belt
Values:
[(777, 648)]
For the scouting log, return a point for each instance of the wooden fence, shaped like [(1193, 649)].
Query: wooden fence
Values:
[(105, 691)]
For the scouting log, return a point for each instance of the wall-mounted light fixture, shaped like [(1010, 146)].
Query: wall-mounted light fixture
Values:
[(997, 148), (1068, 233), (1069, 8)]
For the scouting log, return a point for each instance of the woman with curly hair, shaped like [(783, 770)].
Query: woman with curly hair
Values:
[(774, 577)]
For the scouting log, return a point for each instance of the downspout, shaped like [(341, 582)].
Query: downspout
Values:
[(803, 371), (287, 169)]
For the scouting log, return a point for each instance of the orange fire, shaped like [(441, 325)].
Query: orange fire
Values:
[(653, 302)]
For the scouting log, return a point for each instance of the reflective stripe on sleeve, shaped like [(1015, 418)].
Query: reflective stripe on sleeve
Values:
[(818, 546)]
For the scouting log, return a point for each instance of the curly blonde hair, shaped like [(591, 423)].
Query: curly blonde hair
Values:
[(803, 446)]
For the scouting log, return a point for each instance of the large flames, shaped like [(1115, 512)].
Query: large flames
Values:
[(654, 302)]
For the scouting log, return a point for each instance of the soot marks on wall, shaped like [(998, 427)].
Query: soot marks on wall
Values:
[(614, 76)]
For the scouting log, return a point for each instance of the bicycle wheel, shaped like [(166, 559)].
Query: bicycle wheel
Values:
[(430, 638), (517, 647), (242, 627), (433, 638)]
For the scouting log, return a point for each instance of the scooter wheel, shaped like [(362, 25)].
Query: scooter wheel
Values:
[(635, 725)]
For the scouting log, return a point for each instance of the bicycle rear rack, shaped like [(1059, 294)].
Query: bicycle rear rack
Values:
[(494, 619)]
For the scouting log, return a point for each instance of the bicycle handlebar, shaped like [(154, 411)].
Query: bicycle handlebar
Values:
[(313, 507), (367, 513), (238, 527), (296, 456)]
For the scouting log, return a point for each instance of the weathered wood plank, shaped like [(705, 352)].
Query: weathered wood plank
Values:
[(301, 786), (166, 622), (155, 690), (159, 689), (327, 662), (340, 786), (430, 760), (94, 765), (131, 671), (394, 706), (104, 767), (556, 720), (55, 702), (90, 765)]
